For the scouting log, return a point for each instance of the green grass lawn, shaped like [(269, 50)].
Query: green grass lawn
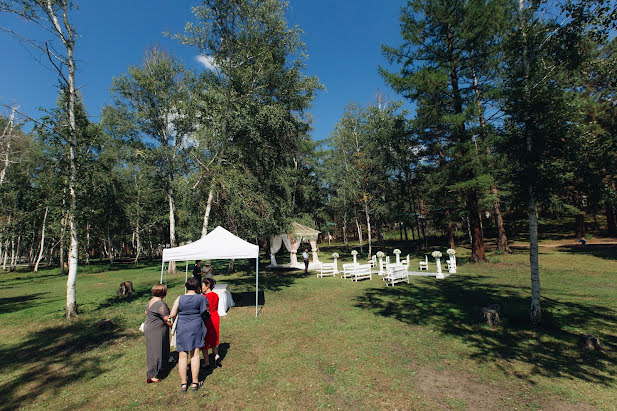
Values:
[(321, 343)]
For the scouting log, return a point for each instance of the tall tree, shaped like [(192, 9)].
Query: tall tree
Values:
[(436, 40), (540, 56), (54, 17), (256, 115), (154, 102)]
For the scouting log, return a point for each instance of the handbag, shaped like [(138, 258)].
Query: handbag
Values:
[(172, 342), (206, 314)]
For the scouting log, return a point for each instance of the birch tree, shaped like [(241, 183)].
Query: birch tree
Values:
[(53, 16), (154, 101), (255, 116), (540, 54)]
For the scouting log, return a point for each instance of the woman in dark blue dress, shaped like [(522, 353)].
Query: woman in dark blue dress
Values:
[(190, 331)]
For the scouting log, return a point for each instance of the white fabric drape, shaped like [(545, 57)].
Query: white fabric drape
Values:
[(276, 241), (286, 241)]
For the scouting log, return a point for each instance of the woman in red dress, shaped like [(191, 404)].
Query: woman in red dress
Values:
[(212, 324)]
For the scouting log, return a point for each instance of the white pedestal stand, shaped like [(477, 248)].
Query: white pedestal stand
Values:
[(438, 264)]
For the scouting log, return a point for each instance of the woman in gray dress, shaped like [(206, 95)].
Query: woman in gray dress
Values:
[(156, 329), (190, 331)]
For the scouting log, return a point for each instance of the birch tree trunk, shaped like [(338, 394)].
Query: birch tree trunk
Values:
[(61, 253), (65, 34), (172, 225), (137, 244), (110, 247), (38, 260), (5, 254), (368, 228), (534, 265), (6, 135), (359, 233), (204, 228), (12, 264), (17, 252), (6, 247), (345, 231), (536, 309), (31, 251), (87, 243)]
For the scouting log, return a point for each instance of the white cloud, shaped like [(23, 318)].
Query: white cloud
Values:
[(207, 61)]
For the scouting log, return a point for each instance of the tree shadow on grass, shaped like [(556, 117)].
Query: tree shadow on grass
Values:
[(29, 278), (606, 251), (247, 299), (453, 307), (116, 300), (271, 280), (49, 359), (12, 304)]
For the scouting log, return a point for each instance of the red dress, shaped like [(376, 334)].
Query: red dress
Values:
[(212, 325)]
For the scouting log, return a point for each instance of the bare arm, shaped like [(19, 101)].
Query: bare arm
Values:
[(174, 309)]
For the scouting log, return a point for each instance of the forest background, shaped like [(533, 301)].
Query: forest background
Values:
[(512, 121)]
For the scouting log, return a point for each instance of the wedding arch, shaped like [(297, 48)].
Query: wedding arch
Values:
[(298, 234)]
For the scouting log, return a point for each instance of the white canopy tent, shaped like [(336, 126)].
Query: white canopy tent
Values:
[(218, 244)]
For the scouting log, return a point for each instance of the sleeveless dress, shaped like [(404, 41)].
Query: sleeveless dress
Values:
[(190, 330), (157, 337), (212, 325)]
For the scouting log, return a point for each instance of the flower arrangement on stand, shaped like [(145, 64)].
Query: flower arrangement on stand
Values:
[(335, 256), (437, 256), (397, 252), (354, 253)]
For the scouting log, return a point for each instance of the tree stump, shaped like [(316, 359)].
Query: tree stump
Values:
[(126, 289), (590, 342), (490, 315), (105, 324)]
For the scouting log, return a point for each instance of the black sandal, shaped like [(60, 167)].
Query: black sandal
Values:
[(196, 385), (184, 387)]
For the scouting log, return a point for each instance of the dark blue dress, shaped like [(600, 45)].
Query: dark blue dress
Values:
[(190, 330)]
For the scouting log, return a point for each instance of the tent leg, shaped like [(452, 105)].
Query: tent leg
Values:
[(256, 284), (186, 275), (162, 268)]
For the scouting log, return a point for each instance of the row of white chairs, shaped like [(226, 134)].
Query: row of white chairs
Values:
[(350, 270), (395, 273)]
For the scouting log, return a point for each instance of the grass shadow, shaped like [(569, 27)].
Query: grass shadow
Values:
[(49, 359), (269, 280), (12, 304), (453, 307), (605, 251), (247, 299), (116, 300)]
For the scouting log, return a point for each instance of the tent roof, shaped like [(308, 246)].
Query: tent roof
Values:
[(218, 244), (302, 232)]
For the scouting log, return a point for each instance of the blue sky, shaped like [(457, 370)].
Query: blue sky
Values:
[(343, 39)]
